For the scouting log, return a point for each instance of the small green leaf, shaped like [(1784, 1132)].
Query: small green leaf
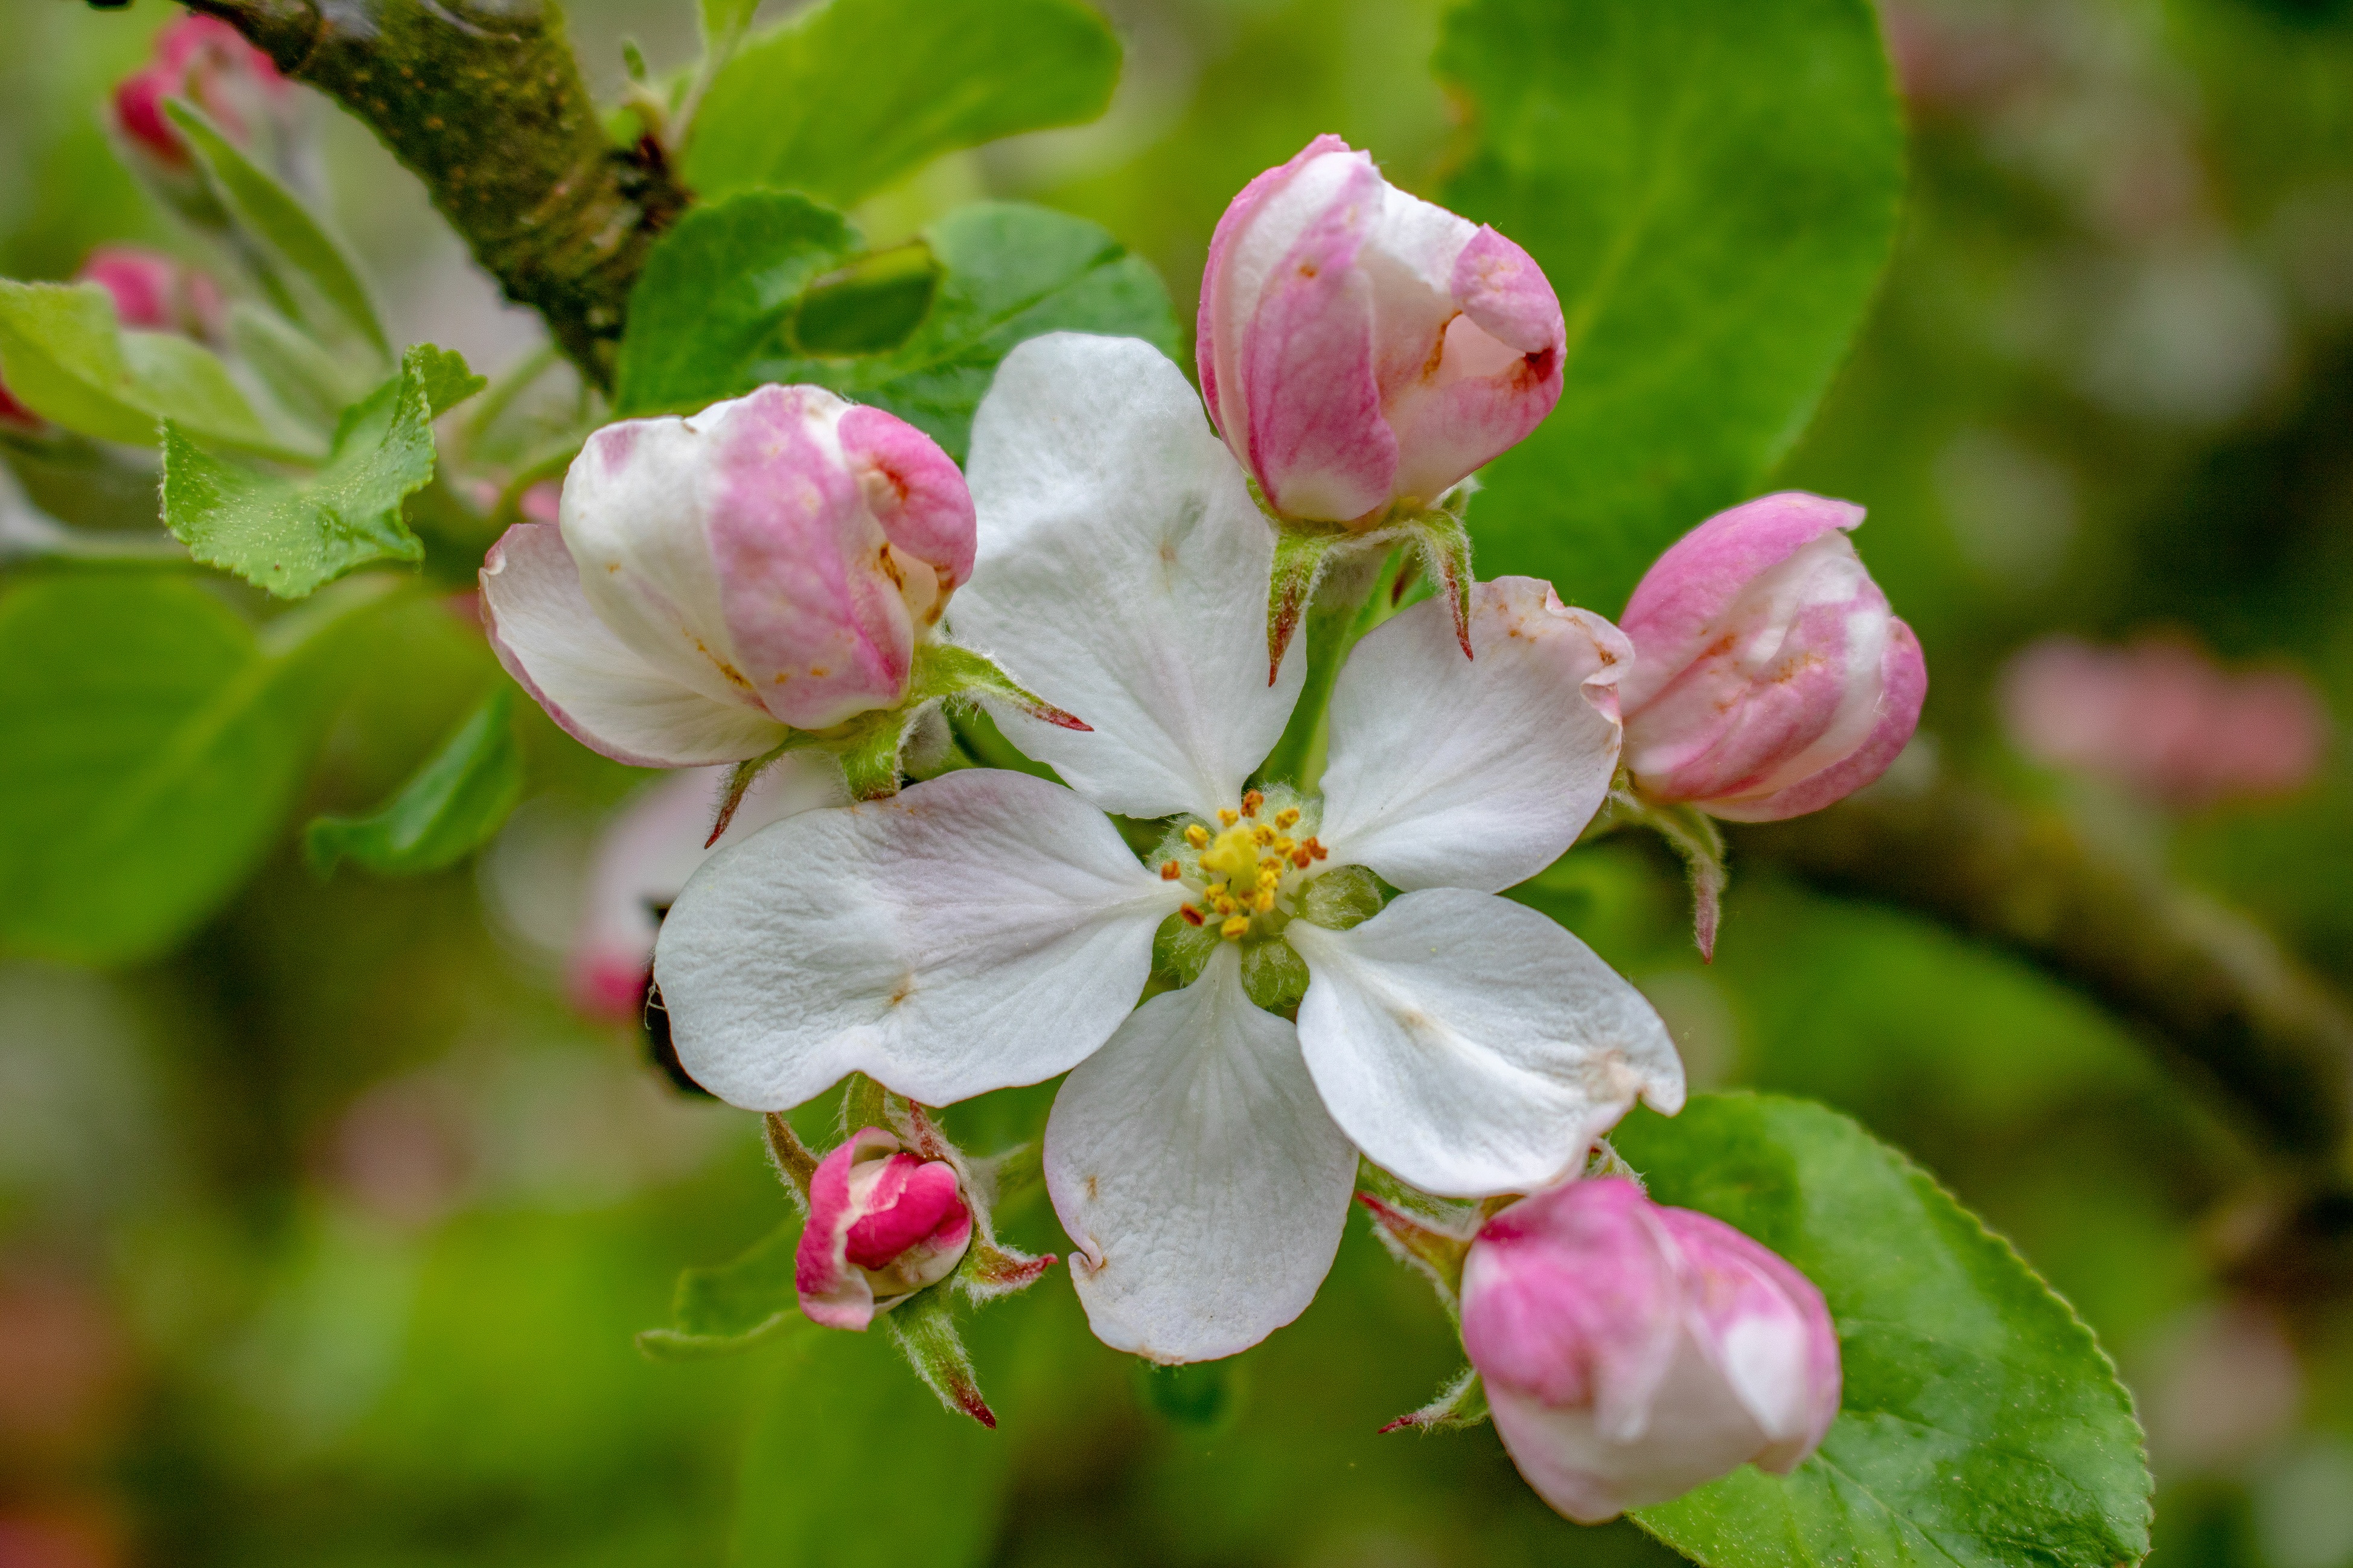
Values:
[(714, 315), (1711, 187), (447, 378), (304, 378), (869, 306), (1982, 1426), (272, 216), (715, 293), (289, 535), (154, 746), (445, 811), (852, 94), (64, 355), (734, 1306)]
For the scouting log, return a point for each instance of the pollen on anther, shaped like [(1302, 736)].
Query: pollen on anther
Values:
[(1198, 837), (1316, 849), (1252, 801), (1169, 870), (1228, 816), (1262, 835), (1265, 899), (1235, 926), (1301, 855), (1193, 917), (1287, 817)]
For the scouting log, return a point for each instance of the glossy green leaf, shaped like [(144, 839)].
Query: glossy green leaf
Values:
[(733, 1306), (1711, 187), (273, 216), (844, 1409), (291, 534), (445, 811), (871, 306), (852, 94), (156, 743), (725, 293), (1982, 1425), (64, 355), (305, 379)]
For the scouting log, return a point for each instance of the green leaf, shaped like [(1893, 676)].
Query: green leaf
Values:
[(304, 378), (715, 293), (871, 306), (714, 313), (272, 216), (289, 535), (1711, 187), (852, 94), (1982, 1425), (734, 1306), (64, 355), (447, 809), (154, 746)]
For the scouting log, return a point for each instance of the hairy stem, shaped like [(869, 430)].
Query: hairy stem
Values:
[(2217, 991), (484, 101)]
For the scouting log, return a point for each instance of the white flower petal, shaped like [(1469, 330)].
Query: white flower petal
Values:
[(1476, 772), (1198, 1173), (1121, 575), (599, 689), (982, 930), (1472, 1046)]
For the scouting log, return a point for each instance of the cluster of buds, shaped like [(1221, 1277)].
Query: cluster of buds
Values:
[(152, 292), (769, 572), (898, 1226), (1627, 1352)]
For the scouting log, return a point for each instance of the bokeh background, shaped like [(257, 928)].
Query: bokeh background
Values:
[(323, 1240)]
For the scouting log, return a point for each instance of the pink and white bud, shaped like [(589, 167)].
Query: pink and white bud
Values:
[(154, 292), (2161, 720), (1632, 1352), (1360, 348), (883, 1224), (207, 62), (1770, 677), (716, 581)]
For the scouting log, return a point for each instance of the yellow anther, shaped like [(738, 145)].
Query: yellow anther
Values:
[(1284, 846), (1228, 816), (1198, 837), (1224, 904), (1214, 891), (1169, 870), (1265, 899), (1262, 835), (1271, 874), (1288, 816), (1252, 801), (1234, 928)]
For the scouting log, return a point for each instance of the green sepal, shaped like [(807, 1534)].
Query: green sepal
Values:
[(923, 1328), (1342, 897), (1461, 1403), (1430, 1234), (1695, 837), (1274, 976), (446, 809), (1443, 541), (1301, 553), (1181, 950)]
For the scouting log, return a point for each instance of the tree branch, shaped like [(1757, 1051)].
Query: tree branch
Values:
[(484, 101), (2217, 991)]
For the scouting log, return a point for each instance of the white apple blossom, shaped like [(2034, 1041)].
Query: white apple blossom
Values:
[(988, 928)]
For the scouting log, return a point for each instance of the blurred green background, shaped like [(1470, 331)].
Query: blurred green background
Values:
[(323, 1240)]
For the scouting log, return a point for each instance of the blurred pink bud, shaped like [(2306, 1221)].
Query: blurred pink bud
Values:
[(644, 856), (1769, 678), (1359, 347), (2160, 719), (208, 62), (1631, 1352), (883, 1224), (154, 292), (15, 412), (768, 564)]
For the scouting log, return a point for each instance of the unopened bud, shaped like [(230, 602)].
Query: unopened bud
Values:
[(1632, 1352), (1360, 348), (883, 1224), (208, 62), (154, 292), (768, 564), (1769, 678)]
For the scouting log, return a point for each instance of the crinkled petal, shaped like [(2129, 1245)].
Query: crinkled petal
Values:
[(983, 930), (1472, 1046), (1198, 1173), (1122, 576), (1476, 772), (1903, 687), (600, 689)]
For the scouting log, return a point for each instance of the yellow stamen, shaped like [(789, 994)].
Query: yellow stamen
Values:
[(1228, 816), (1262, 835), (1265, 899), (1198, 837), (1193, 917), (1234, 928), (1170, 870), (1282, 845), (1287, 817), (1252, 801)]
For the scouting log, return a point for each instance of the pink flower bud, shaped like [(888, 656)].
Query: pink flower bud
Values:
[(15, 412), (2162, 720), (1631, 1352), (154, 292), (208, 62), (1359, 347), (769, 563), (883, 1224), (1769, 678)]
